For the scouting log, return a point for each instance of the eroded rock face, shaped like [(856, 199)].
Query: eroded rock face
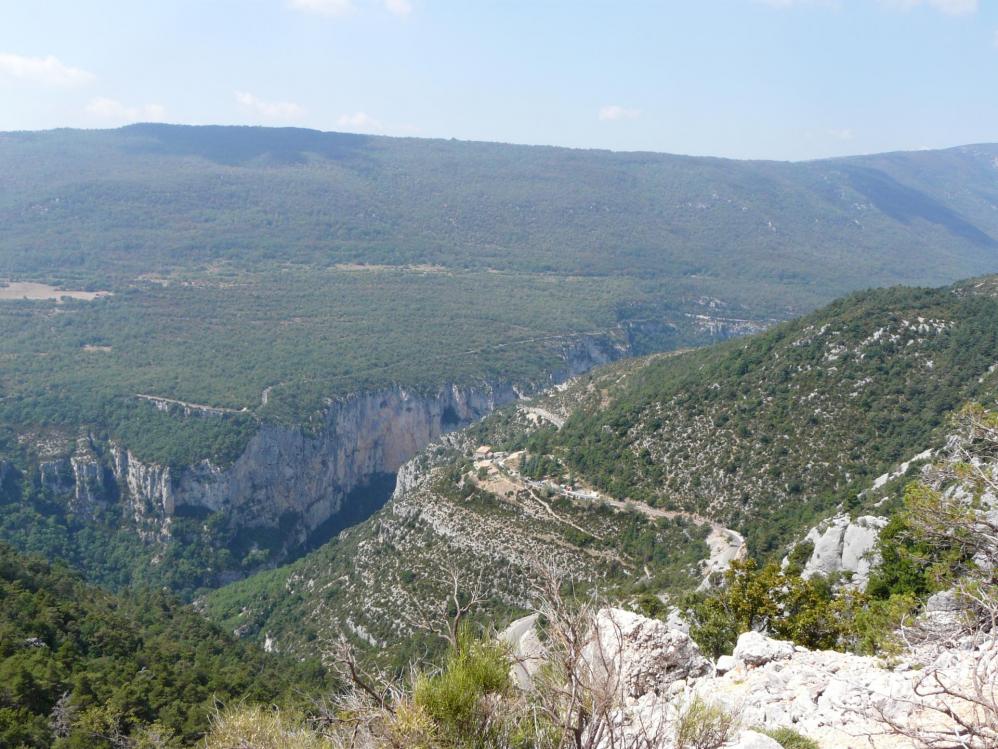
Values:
[(56, 476), (88, 477), (289, 477), (639, 655), (844, 545), (286, 473)]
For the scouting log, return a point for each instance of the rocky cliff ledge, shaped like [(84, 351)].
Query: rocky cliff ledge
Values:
[(289, 478)]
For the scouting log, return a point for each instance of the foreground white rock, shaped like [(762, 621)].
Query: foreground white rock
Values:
[(638, 655), (754, 740), (755, 649), (836, 698)]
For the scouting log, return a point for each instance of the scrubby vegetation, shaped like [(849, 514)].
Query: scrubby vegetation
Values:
[(83, 668), (772, 433), (940, 539), (810, 612), (788, 738), (702, 725)]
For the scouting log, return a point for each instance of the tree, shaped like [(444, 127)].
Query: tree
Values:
[(955, 515)]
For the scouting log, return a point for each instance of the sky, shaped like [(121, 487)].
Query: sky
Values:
[(775, 79)]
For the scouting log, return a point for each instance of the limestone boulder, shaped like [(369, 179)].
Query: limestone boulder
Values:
[(844, 545), (636, 655), (753, 740), (755, 649)]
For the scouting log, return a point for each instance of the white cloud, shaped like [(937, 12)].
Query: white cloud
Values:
[(949, 7), (111, 109), (844, 133), (48, 71), (324, 7), (615, 112), (398, 7), (270, 110), (360, 122)]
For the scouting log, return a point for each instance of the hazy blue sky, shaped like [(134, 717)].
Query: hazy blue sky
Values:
[(785, 79)]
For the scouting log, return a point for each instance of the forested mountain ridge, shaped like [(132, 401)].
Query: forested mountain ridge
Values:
[(253, 195), (765, 435), (765, 432), (80, 667), (337, 260), (275, 297)]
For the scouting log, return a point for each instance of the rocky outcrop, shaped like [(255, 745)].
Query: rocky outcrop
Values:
[(56, 476), (148, 489), (838, 699), (635, 655), (294, 478), (754, 740), (843, 545), (88, 476)]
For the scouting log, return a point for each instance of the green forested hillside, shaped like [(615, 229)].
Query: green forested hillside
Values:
[(300, 264), (80, 667), (150, 198), (769, 432)]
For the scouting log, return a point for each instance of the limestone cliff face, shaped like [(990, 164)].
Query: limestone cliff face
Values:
[(294, 478), (56, 475)]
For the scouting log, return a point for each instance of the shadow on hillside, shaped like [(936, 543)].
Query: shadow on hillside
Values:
[(358, 506), (905, 204), (242, 146)]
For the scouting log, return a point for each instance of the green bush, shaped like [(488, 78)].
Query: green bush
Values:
[(788, 738), (785, 604), (262, 728), (453, 697), (703, 725)]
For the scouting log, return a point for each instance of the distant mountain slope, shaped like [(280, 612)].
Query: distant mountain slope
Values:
[(155, 197), (86, 668)]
